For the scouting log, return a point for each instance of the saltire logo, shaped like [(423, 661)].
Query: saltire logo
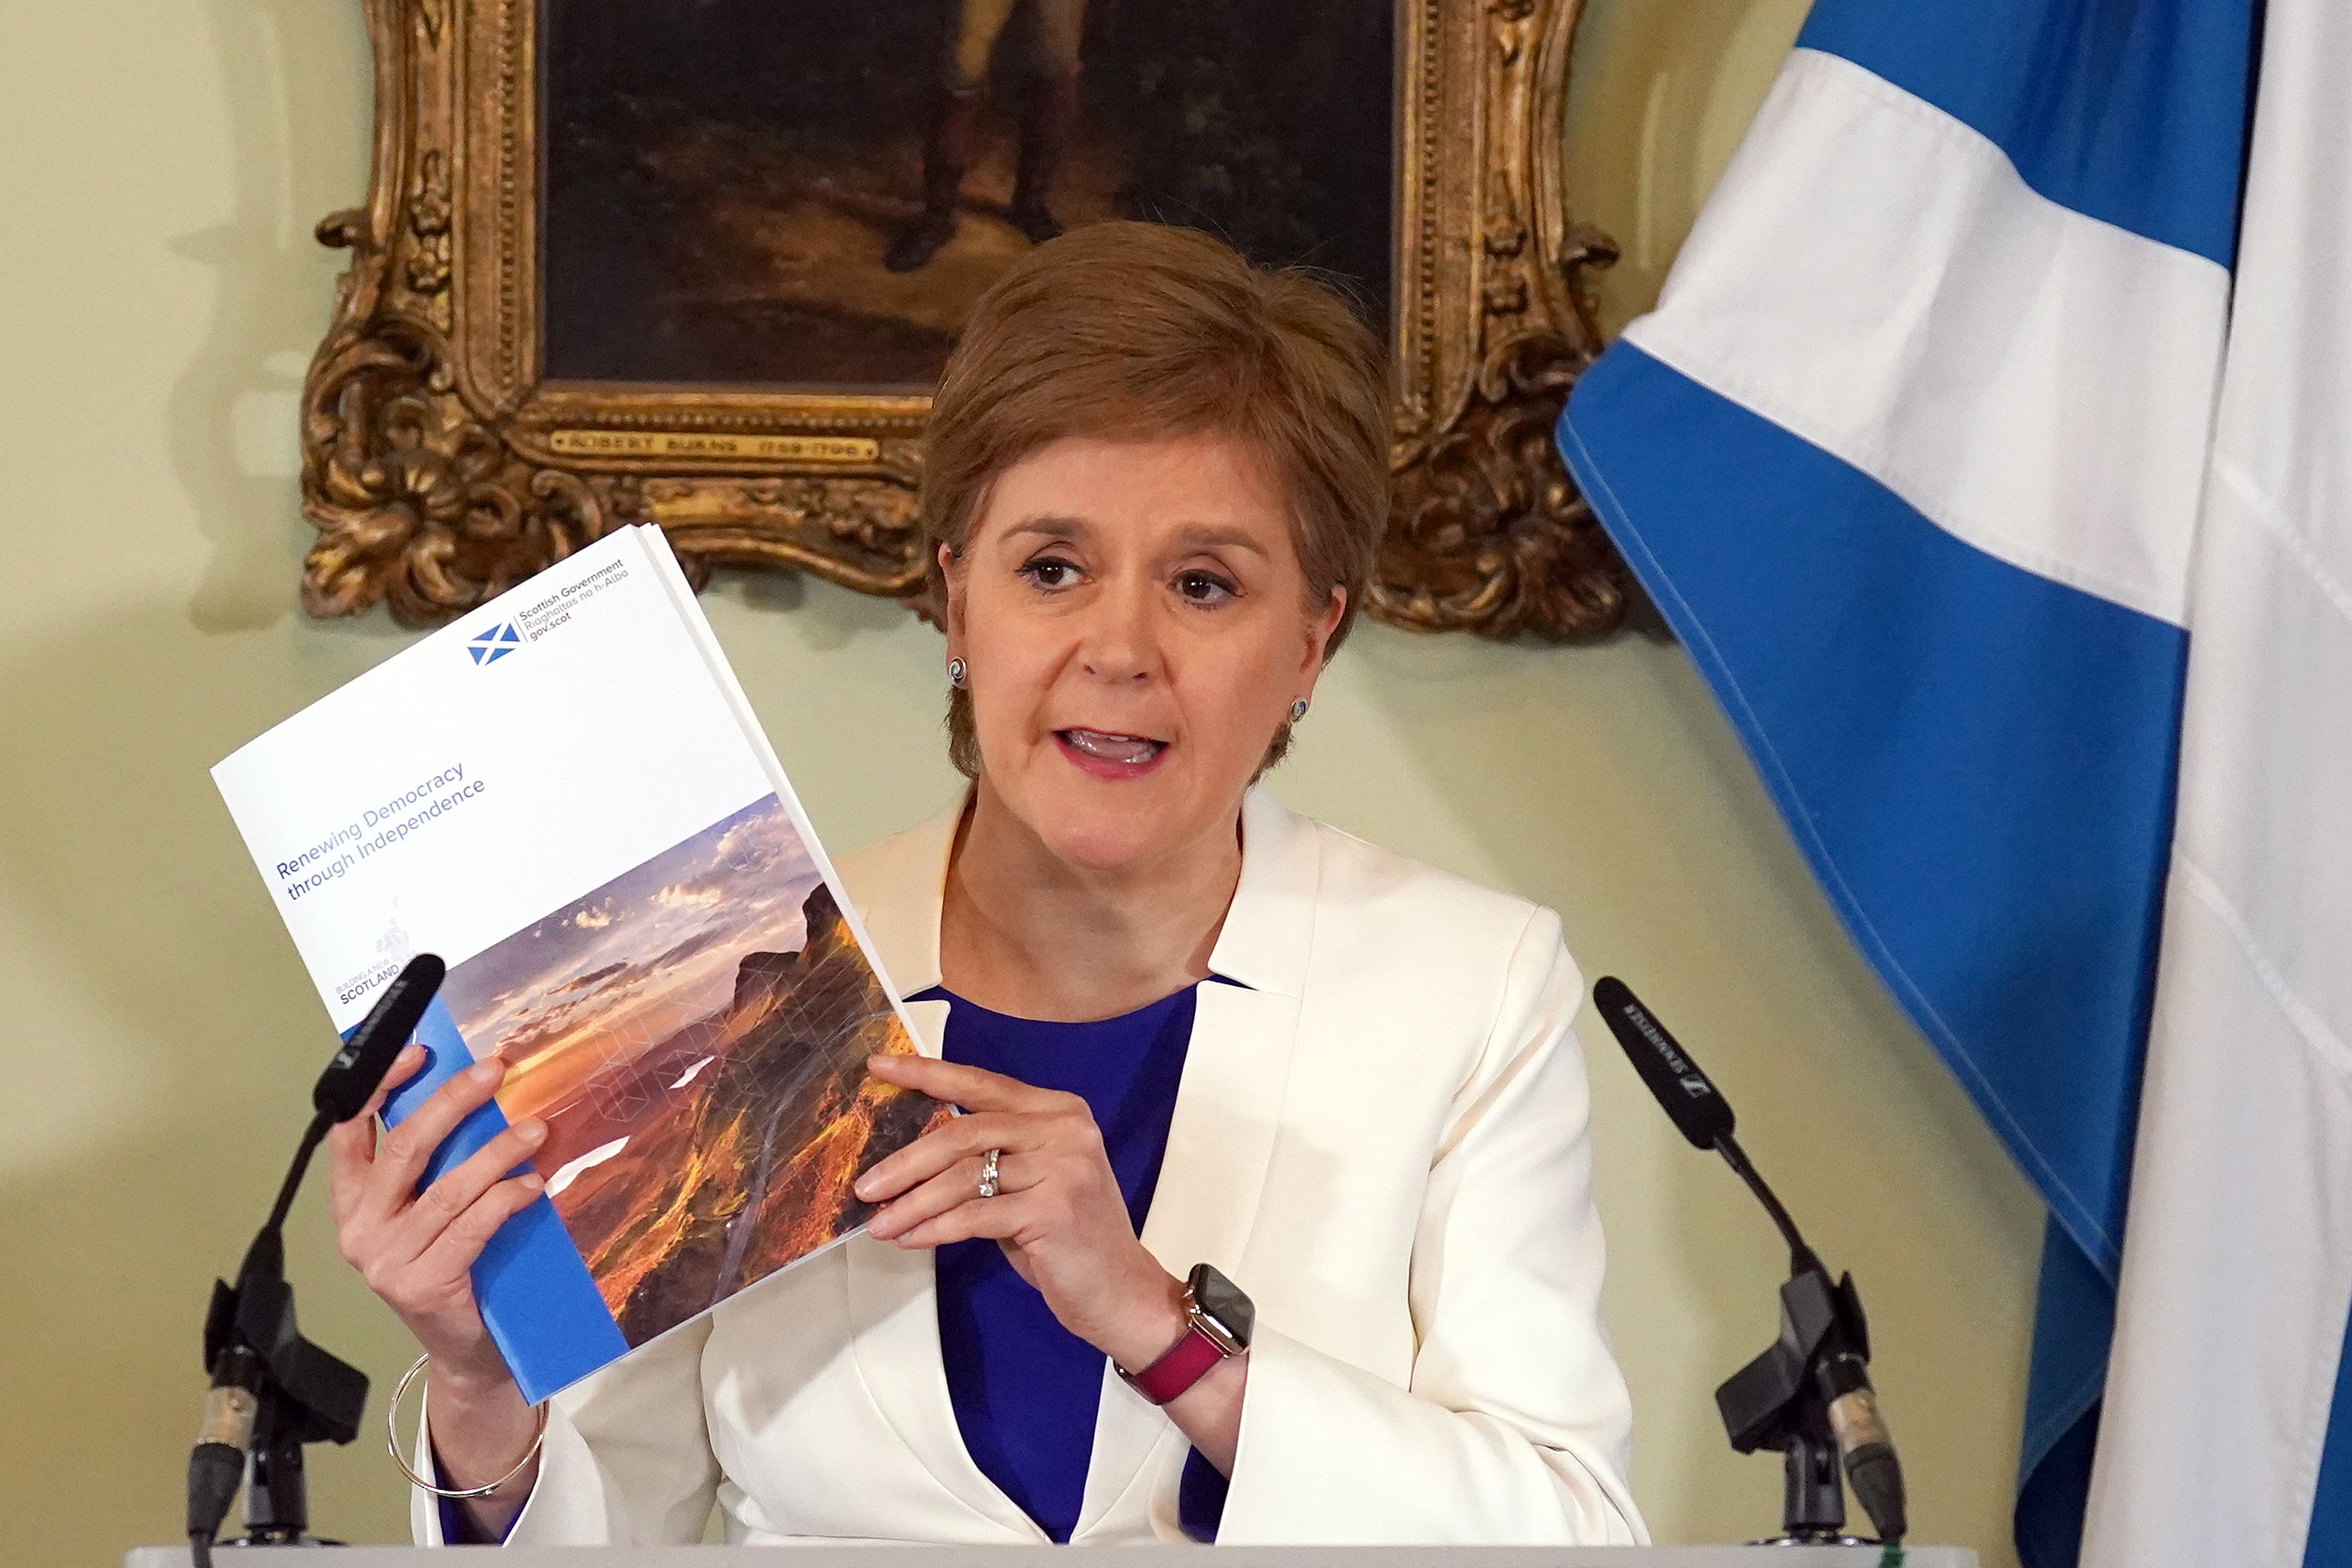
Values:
[(495, 644)]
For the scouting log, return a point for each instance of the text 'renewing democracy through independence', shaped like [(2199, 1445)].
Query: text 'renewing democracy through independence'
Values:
[(377, 828)]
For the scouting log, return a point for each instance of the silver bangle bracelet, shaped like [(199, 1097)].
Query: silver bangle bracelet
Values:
[(393, 1445)]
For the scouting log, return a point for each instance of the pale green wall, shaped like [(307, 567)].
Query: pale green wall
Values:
[(160, 295)]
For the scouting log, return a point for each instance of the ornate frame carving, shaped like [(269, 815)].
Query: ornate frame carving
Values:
[(439, 469)]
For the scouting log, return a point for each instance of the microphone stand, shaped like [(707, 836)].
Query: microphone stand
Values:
[(273, 1391), (284, 1391), (1782, 1399), (1809, 1394)]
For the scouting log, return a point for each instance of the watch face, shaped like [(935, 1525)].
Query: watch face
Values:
[(1221, 1300)]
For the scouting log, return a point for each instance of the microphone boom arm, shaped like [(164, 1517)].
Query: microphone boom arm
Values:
[(1801, 1255)]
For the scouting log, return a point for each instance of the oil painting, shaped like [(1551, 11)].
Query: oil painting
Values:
[(813, 194)]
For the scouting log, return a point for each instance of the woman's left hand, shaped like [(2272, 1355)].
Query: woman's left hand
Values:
[(1057, 1213)]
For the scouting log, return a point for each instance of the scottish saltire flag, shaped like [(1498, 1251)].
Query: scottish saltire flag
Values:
[(2000, 479)]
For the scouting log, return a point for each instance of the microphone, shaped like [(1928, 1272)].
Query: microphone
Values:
[(343, 1090), (1689, 1096), (1822, 1360), (271, 1390)]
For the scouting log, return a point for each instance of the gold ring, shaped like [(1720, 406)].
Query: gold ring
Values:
[(392, 1443)]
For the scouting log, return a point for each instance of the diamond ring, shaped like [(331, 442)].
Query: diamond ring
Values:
[(988, 1163)]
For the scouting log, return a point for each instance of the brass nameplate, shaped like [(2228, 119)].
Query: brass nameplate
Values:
[(709, 445)]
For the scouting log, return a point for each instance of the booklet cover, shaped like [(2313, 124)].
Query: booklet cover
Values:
[(565, 795)]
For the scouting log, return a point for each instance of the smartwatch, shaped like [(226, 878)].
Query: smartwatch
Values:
[(1217, 1321)]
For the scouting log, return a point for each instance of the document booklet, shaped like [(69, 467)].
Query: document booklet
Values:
[(565, 796)]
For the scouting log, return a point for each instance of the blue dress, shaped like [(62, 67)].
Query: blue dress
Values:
[(1025, 1389)]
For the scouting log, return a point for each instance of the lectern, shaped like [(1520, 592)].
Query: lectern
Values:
[(1093, 1556)]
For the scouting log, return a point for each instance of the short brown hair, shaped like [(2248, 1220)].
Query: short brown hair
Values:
[(1140, 331)]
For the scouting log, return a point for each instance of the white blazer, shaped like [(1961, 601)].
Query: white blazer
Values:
[(1379, 1135)]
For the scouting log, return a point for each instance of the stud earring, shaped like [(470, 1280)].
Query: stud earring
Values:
[(955, 673), (1298, 710)]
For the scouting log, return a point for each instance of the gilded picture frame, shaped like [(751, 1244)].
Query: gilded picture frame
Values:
[(440, 466)]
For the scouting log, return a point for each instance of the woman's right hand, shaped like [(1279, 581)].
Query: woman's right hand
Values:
[(416, 1251)]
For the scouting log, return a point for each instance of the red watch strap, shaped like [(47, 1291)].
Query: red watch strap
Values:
[(1179, 1369)]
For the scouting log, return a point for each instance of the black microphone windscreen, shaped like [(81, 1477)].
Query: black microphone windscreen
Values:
[(344, 1088), (1690, 1099)]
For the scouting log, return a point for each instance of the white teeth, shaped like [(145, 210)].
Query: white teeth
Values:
[(1113, 748)]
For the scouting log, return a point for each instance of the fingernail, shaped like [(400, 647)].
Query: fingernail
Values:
[(533, 1182), (863, 1186), (532, 1131), (489, 1069)]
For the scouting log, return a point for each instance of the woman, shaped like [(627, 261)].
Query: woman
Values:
[(1271, 1219)]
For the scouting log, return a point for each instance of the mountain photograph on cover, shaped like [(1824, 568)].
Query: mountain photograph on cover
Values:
[(695, 1033)]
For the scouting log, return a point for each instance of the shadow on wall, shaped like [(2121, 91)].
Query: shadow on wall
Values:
[(234, 411), (1660, 98)]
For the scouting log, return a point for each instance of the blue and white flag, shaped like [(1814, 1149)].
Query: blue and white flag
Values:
[(2001, 481)]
